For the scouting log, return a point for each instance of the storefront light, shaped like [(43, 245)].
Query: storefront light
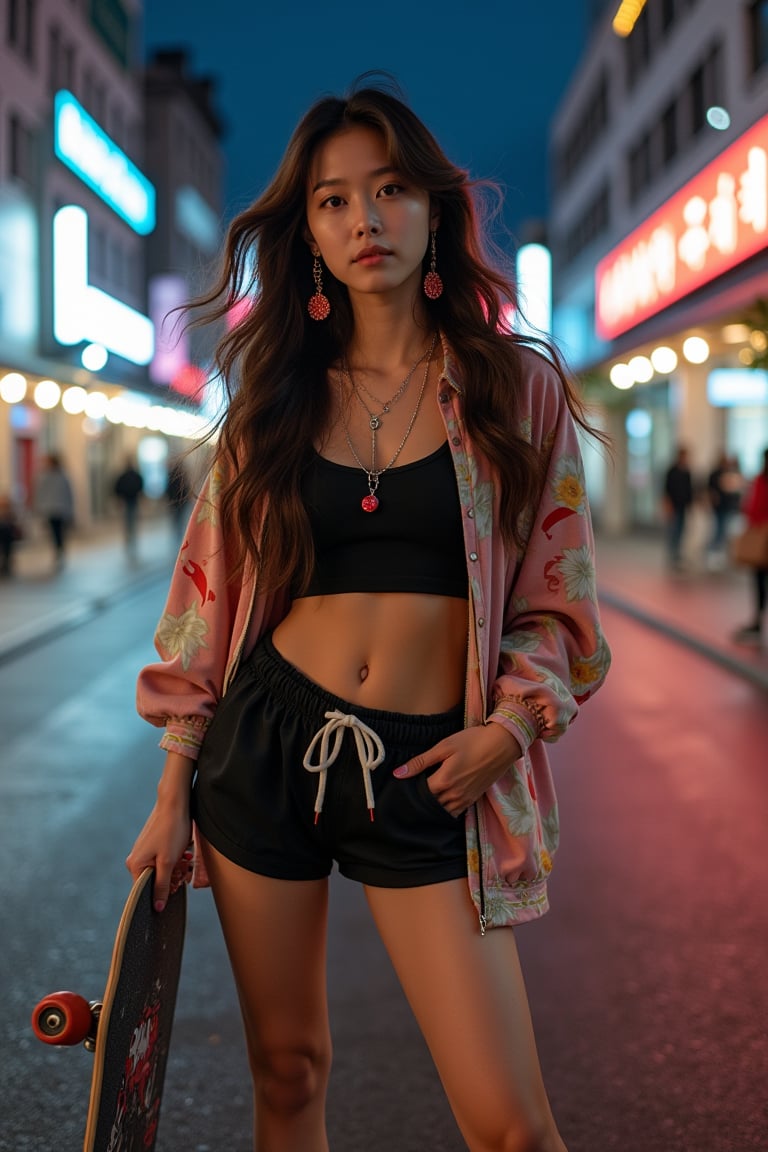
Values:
[(96, 406), (115, 410), (696, 350), (638, 424), (74, 399), (664, 360), (94, 357), (621, 376), (13, 387), (47, 394), (746, 356), (718, 117), (735, 333), (641, 369), (758, 340)]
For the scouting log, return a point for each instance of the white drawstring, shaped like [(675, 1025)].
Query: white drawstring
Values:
[(370, 751)]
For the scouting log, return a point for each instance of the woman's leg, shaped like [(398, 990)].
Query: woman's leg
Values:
[(468, 996), (275, 931)]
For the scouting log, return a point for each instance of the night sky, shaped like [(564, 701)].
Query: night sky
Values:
[(485, 76)]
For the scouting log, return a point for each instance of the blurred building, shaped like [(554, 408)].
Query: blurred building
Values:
[(659, 237), (78, 222), (185, 162)]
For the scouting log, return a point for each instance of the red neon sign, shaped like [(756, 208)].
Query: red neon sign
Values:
[(713, 223)]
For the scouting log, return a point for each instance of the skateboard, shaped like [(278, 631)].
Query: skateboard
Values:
[(129, 1031)]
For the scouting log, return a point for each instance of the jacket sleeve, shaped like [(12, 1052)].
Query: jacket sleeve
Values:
[(553, 653), (180, 692)]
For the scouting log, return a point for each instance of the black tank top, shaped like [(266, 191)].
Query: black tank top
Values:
[(413, 542)]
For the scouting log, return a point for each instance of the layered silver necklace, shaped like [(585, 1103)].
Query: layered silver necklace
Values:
[(370, 502)]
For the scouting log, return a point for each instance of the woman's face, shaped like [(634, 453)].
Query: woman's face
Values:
[(370, 225)]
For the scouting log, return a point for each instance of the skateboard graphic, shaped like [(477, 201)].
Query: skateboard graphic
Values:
[(129, 1031)]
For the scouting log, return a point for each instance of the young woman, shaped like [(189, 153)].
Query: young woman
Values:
[(383, 607)]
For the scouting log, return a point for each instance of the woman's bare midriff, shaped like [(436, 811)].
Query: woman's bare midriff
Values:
[(397, 651)]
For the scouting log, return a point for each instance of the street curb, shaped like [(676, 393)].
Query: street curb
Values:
[(756, 675)]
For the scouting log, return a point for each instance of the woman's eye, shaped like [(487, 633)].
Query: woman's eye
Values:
[(390, 189), (331, 202)]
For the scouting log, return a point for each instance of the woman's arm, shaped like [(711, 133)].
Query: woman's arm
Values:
[(553, 653), (167, 834), (180, 692)]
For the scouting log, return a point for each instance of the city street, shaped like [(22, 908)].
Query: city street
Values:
[(647, 979)]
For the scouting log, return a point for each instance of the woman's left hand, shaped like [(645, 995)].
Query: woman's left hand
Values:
[(470, 762)]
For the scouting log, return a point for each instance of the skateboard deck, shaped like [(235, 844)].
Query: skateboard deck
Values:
[(130, 1030)]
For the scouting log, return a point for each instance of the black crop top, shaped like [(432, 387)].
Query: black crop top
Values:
[(413, 542)]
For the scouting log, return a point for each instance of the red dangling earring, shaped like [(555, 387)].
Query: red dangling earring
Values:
[(319, 306), (433, 285)]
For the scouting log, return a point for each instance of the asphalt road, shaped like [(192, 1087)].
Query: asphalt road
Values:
[(647, 979)]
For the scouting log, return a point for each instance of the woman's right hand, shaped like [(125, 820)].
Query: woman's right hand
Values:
[(167, 834)]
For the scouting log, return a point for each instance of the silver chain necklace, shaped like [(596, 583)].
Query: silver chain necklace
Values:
[(370, 502), (374, 418)]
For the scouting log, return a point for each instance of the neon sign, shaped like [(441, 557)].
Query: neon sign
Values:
[(84, 312), (713, 223), (87, 151)]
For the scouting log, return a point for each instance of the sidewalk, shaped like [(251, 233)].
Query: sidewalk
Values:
[(37, 602), (697, 608)]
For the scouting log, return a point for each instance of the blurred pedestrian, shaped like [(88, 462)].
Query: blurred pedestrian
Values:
[(178, 493), (10, 533), (54, 500), (755, 509), (678, 498), (725, 488), (128, 488), (322, 603)]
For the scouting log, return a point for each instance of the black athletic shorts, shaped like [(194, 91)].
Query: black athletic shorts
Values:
[(258, 804)]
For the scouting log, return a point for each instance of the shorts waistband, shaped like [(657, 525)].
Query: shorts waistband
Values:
[(286, 681)]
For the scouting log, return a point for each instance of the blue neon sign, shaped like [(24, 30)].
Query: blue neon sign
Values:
[(87, 151)]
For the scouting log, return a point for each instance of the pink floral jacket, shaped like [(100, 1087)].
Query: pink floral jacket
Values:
[(536, 649)]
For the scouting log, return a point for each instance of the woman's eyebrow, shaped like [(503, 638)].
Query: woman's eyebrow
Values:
[(335, 181)]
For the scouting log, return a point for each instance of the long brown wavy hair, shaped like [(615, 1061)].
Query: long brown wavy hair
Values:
[(274, 362)]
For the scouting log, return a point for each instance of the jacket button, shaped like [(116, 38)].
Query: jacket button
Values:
[(471, 513), (481, 621), (473, 555), (443, 397)]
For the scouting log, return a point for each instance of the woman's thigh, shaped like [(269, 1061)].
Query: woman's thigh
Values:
[(468, 995), (275, 932)]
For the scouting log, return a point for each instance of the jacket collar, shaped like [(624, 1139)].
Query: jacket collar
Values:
[(450, 368)]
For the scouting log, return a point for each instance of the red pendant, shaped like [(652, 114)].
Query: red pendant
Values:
[(369, 503)]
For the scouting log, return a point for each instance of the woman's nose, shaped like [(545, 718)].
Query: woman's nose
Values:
[(369, 223)]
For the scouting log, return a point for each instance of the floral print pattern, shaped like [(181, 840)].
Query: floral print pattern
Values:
[(182, 635)]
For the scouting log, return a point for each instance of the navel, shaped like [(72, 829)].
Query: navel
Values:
[(363, 673)]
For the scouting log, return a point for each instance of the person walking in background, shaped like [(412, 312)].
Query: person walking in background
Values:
[(177, 493), (391, 563), (725, 488), (678, 497), (128, 488), (55, 502), (755, 509), (10, 534)]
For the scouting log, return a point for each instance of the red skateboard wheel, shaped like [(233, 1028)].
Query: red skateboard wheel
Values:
[(62, 1018)]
